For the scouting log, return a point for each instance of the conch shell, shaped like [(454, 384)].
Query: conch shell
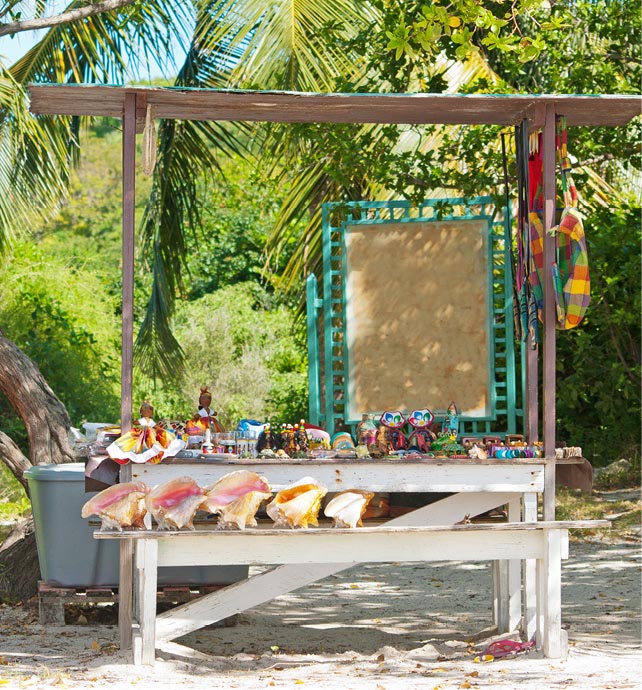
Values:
[(347, 508), (236, 497), (118, 506), (174, 504), (298, 504)]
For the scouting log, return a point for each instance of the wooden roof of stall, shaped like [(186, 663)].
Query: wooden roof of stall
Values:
[(280, 106)]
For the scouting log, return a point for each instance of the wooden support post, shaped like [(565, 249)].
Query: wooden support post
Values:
[(548, 368), (532, 382), (129, 190), (530, 577), (126, 382)]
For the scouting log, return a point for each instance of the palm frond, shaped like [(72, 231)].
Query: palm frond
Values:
[(105, 48), (33, 153), (187, 150), (283, 44)]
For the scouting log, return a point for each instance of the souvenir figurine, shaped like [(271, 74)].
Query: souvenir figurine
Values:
[(300, 438), (206, 415), (394, 421), (366, 431), (421, 436), (146, 411), (383, 446), (145, 442), (265, 441), (450, 424)]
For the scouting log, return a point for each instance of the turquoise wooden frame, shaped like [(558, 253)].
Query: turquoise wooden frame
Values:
[(328, 357)]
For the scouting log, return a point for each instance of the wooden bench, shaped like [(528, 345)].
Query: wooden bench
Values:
[(296, 553)]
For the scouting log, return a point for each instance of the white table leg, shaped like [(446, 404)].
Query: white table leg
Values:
[(125, 594), (553, 640), (530, 591), (147, 565), (514, 576), (499, 585)]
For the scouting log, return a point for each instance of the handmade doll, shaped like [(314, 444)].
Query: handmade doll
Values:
[(206, 415), (146, 442)]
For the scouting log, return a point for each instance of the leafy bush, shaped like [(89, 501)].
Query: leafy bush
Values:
[(598, 363), (61, 317), (245, 350)]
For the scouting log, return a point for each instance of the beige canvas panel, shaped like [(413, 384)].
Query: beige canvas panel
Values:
[(417, 316)]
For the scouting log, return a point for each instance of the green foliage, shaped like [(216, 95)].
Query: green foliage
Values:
[(60, 316), (243, 347), (407, 38), (624, 513), (598, 363), (14, 502), (237, 215)]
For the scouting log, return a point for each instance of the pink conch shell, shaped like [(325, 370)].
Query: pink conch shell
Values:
[(347, 508), (118, 506), (236, 497), (174, 504), (298, 504)]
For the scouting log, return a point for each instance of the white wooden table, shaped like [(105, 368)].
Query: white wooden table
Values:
[(477, 486)]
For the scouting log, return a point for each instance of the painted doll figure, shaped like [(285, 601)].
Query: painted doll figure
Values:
[(146, 413), (145, 442), (206, 415)]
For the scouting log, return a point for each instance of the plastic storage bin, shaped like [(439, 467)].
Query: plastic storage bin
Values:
[(69, 555)]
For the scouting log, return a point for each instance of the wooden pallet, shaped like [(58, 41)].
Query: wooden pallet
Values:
[(52, 599)]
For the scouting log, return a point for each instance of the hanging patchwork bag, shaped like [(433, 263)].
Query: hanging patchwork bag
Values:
[(571, 277), (535, 303)]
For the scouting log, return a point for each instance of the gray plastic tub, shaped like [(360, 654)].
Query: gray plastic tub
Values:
[(69, 555)]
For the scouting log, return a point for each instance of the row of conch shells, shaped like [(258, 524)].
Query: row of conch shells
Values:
[(235, 498)]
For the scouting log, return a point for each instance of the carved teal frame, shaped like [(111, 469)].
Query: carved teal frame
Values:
[(328, 357)]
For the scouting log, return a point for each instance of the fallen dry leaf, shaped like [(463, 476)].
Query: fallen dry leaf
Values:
[(95, 646), (472, 674)]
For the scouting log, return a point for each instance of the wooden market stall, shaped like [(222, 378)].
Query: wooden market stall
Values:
[(477, 486)]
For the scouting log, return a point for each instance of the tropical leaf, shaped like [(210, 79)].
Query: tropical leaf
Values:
[(106, 48), (187, 151), (33, 153), (283, 44), (279, 46)]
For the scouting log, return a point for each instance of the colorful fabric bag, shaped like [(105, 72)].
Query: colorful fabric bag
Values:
[(571, 276), (571, 279)]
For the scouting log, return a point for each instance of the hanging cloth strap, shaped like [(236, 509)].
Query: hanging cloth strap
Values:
[(535, 224), (514, 268), (571, 276), (526, 266)]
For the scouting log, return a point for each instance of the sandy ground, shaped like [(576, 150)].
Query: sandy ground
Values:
[(379, 627)]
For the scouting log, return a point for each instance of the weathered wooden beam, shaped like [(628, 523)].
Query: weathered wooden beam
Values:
[(270, 106)]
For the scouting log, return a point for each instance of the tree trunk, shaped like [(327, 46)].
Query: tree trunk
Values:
[(14, 459), (48, 424), (19, 568), (45, 417)]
